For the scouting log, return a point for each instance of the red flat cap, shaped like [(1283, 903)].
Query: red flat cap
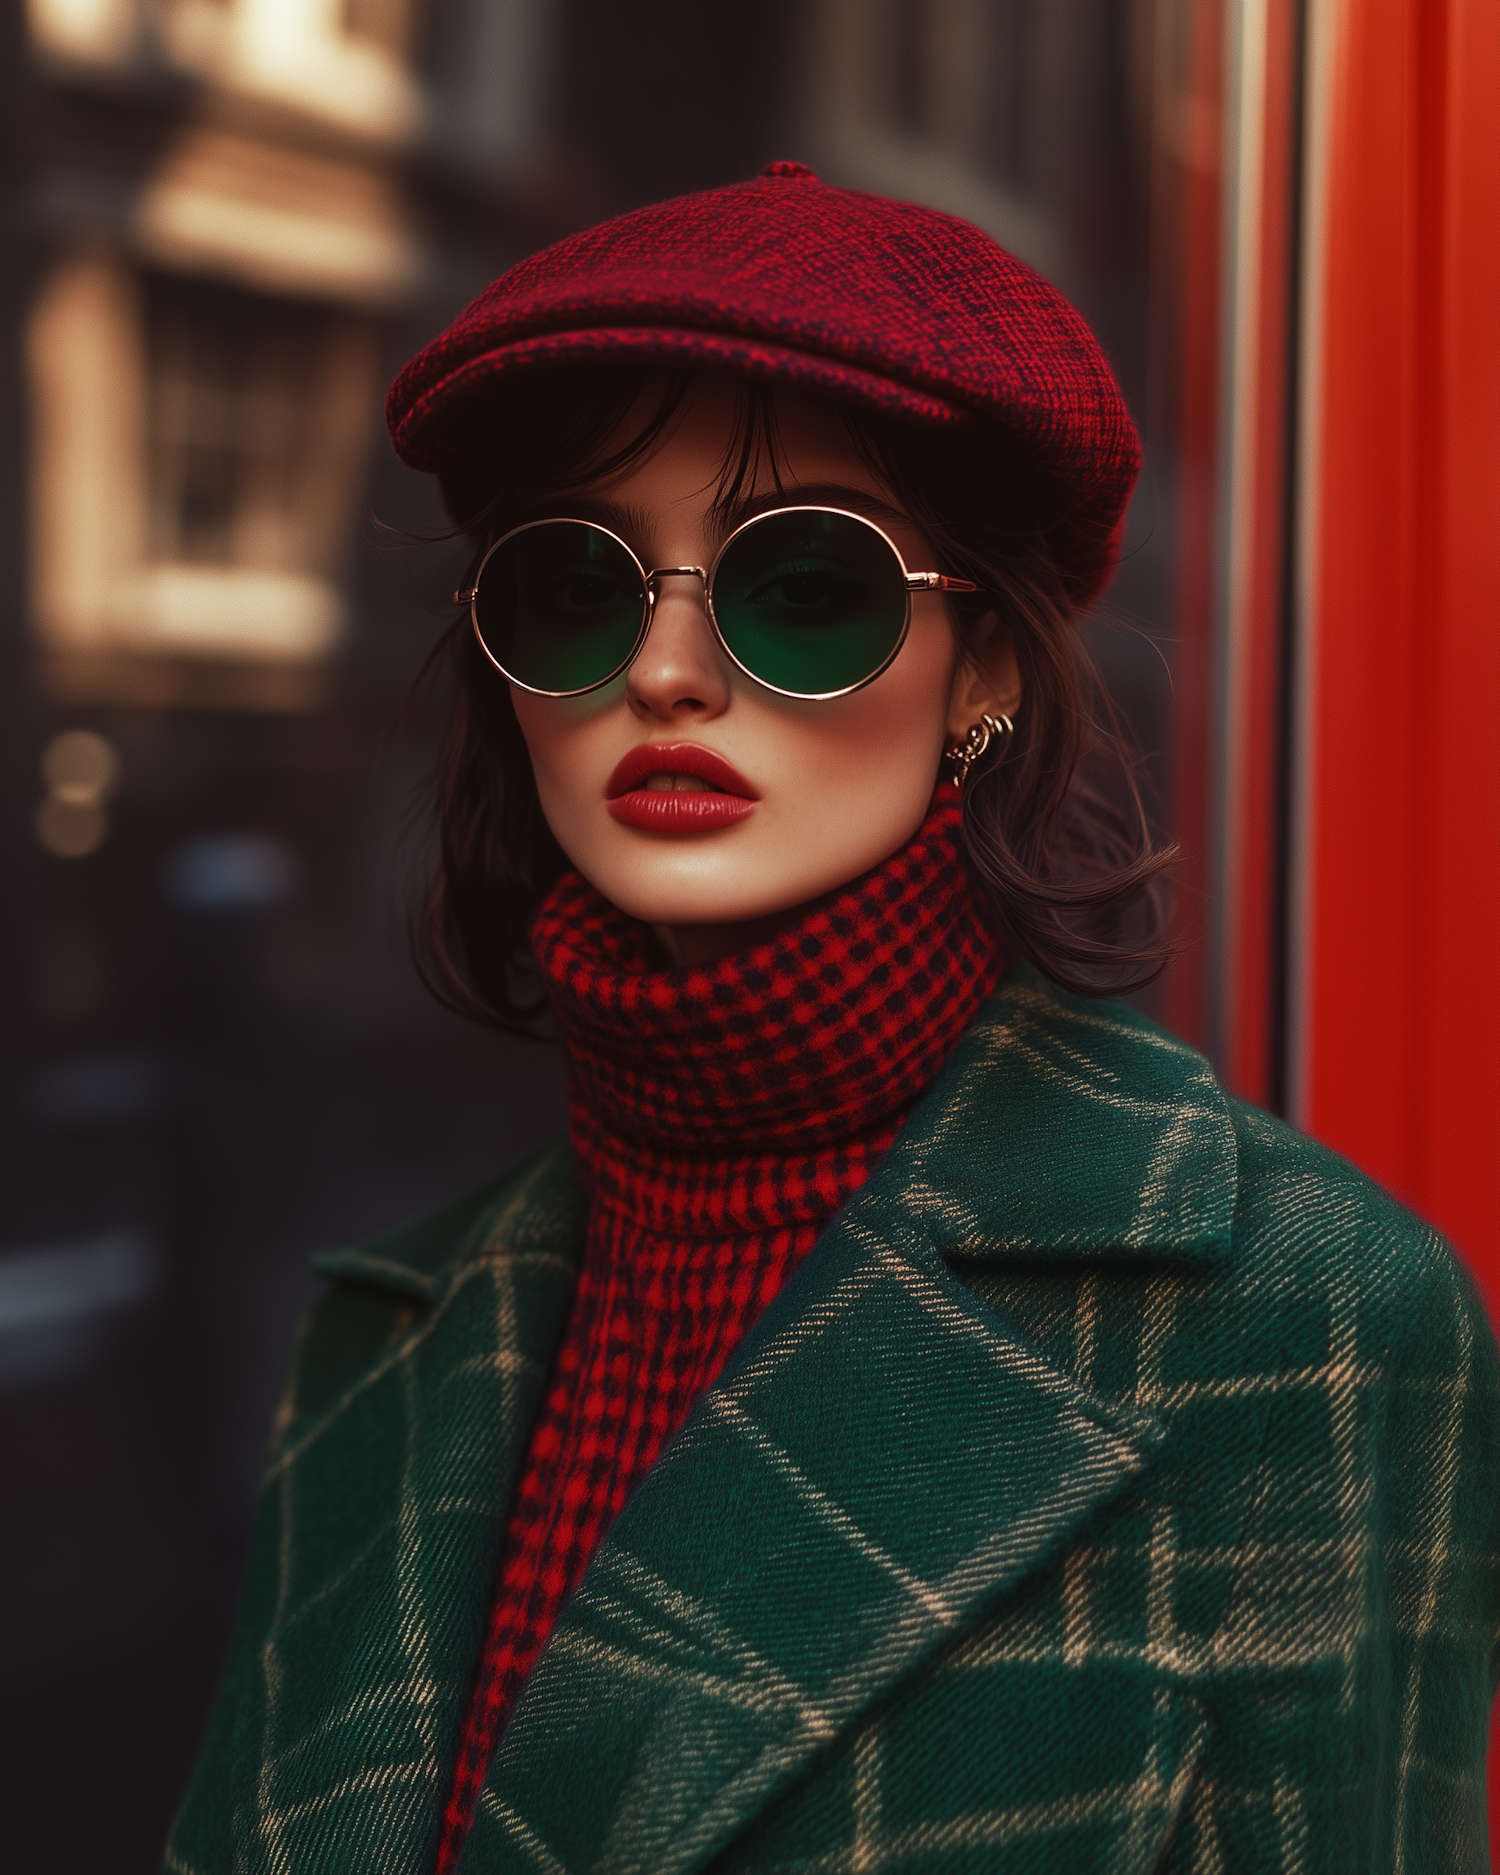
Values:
[(891, 304)]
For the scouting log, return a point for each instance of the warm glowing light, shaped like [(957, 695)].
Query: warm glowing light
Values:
[(70, 829), (230, 612), (298, 52), (80, 768), (83, 28), (276, 248)]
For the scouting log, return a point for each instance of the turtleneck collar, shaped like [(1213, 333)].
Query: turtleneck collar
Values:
[(757, 1091)]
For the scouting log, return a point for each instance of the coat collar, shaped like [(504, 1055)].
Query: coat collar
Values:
[(883, 1458), (1063, 1129)]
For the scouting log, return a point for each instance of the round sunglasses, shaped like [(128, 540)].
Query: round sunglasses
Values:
[(810, 602)]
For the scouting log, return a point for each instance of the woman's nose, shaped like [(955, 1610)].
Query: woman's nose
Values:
[(681, 670)]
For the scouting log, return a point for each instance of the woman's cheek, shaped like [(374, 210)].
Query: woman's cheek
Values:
[(569, 741)]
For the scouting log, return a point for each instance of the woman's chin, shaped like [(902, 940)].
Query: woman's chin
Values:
[(738, 871), (694, 909), (702, 894)]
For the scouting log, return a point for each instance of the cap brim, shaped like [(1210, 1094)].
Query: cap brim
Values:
[(424, 437)]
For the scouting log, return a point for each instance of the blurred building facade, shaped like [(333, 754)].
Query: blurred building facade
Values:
[(227, 222)]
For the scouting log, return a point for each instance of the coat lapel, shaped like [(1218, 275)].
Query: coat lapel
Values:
[(882, 1459)]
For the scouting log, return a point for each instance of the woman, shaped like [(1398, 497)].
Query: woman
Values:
[(917, 1420)]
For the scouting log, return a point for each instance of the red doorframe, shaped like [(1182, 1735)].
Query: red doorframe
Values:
[(1334, 329), (1400, 786), (1385, 262), (1397, 1011)]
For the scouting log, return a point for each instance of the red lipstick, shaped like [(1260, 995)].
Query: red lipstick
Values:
[(726, 798)]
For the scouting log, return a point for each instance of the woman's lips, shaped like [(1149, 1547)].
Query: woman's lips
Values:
[(657, 811), (717, 794)]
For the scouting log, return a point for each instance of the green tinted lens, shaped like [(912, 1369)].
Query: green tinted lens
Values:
[(809, 601), (560, 605)]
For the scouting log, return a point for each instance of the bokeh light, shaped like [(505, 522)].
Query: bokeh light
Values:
[(70, 829), (81, 770)]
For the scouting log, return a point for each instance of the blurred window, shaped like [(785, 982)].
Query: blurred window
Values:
[(1011, 140), (247, 398), (969, 74), (942, 101), (910, 73), (199, 452)]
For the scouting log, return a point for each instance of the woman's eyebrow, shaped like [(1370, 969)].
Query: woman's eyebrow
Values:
[(632, 523), (861, 501)]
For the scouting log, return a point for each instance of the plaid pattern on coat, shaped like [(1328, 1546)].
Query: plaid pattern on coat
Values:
[(1116, 1486)]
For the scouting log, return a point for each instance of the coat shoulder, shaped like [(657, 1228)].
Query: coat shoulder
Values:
[(1069, 1134), (379, 1290), (533, 1203), (1312, 1231)]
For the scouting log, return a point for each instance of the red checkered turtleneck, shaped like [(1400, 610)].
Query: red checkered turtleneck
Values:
[(720, 1115)]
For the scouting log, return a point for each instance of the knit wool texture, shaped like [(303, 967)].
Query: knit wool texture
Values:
[(720, 1115), (883, 304)]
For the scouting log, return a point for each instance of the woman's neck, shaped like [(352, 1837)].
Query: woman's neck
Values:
[(687, 944)]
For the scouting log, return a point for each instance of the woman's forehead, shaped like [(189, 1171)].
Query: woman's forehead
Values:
[(739, 453)]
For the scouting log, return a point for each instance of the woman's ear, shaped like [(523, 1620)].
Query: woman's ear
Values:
[(987, 680)]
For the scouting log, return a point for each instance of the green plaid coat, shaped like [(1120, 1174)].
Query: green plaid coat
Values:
[(1115, 1487)]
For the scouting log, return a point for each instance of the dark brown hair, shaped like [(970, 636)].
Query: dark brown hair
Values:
[(1054, 829)]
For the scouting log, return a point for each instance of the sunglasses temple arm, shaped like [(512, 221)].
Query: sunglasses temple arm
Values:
[(467, 597), (938, 582)]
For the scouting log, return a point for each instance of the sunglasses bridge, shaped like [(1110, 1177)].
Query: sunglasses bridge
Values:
[(667, 572)]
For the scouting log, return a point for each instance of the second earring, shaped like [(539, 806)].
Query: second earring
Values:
[(974, 744)]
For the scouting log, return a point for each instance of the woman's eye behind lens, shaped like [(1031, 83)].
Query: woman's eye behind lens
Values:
[(815, 595), (579, 596)]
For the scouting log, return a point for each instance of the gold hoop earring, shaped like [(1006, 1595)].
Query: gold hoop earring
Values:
[(974, 744)]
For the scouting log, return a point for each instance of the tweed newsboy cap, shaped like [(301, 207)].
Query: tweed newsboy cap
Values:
[(896, 306)]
